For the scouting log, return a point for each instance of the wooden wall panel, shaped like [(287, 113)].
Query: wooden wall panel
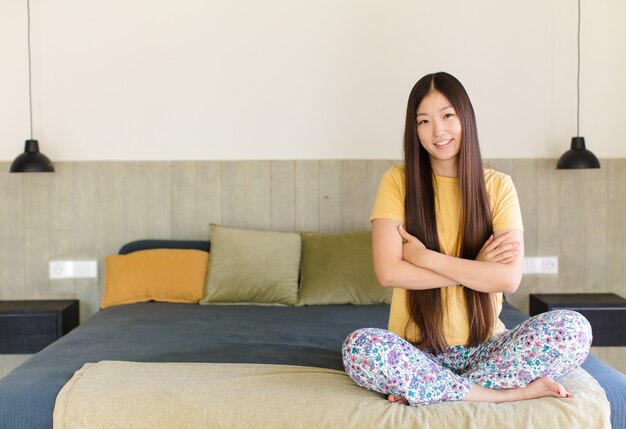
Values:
[(184, 200), (87, 210), (616, 223), (355, 198), (62, 228), (86, 207), (331, 189), (135, 201), (571, 231), (595, 223), (158, 201), (547, 221), (234, 196), (258, 195), (283, 196), (12, 251), (111, 221), (36, 235), (307, 195), (209, 197)]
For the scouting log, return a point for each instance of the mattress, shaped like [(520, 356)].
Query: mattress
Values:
[(140, 395), (164, 332)]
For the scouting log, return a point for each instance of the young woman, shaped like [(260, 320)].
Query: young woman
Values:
[(447, 235)]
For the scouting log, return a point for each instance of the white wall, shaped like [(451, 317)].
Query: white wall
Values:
[(288, 79)]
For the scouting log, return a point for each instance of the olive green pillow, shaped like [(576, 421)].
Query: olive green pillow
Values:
[(253, 267), (338, 269)]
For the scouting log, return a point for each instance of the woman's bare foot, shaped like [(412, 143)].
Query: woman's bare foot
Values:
[(399, 399), (538, 388), (544, 386)]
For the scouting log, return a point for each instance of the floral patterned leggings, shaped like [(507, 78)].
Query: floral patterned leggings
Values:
[(549, 344)]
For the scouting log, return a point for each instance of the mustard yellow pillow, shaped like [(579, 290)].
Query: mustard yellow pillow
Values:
[(168, 275)]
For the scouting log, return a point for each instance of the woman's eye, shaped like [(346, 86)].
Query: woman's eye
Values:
[(422, 121), (448, 115)]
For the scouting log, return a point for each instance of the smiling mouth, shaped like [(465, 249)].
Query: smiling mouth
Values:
[(442, 142)]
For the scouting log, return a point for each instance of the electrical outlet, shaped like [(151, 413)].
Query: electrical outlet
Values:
[(541, 265), (58, 270), (73, 269), (550, 265)]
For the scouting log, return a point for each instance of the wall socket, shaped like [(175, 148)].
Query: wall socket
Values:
[(73, 269), (541, 265)]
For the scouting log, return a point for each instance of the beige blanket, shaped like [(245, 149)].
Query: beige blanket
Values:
[(113, 394)]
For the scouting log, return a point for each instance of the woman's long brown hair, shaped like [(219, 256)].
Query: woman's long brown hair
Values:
[(425, 306)]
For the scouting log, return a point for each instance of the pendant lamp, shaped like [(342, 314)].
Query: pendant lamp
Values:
[(31, 161), (578, 156)]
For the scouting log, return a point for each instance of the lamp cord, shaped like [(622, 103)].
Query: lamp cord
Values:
[(30, 89), (578, 80)]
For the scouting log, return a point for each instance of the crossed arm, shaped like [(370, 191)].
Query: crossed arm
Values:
[(401, 260)]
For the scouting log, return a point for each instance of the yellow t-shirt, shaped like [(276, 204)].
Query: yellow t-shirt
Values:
[(505, 214)]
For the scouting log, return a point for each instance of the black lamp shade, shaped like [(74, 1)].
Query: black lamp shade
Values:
[(32, 161), (577, 157)]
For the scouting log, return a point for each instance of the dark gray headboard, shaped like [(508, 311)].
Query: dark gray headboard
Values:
[(134, 246)]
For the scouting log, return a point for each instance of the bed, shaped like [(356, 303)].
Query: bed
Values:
[(283, 348)]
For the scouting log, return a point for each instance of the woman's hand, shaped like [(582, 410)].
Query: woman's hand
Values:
[(498, 249), (412, 249)]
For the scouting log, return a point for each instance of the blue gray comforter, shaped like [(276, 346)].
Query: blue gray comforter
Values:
[(159, 332)]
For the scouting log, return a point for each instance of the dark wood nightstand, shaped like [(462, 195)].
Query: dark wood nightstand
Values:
[(28, 326), (606, 313)]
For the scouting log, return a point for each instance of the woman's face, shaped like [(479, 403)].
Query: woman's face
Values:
[(439, 132)]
